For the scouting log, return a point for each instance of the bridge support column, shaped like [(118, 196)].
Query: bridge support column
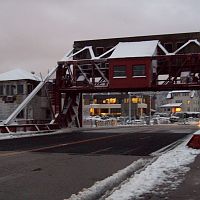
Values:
[(71, 110)]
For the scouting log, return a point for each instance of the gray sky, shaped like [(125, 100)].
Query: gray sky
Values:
[(35, 34)]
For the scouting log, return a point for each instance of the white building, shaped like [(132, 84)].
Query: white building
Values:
[(182, 101), (15, 85)]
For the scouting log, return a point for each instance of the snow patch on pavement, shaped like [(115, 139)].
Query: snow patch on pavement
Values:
[(167, 169)]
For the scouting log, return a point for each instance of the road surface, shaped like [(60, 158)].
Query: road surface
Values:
[(54, 167)]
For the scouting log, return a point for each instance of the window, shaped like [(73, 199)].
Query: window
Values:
[(13, 87), (9, 99), (10, 89), (1, 89), (176, 94), (185, 94), (119, 72), (7, 89), (30, 88), (20, 89), (138, 70), (110, 101)]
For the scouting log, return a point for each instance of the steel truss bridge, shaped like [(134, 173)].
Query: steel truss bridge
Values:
[(82, 71)]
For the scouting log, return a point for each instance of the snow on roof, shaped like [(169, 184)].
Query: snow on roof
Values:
[(171, 105), (135, 49), (181, 91), (18, 74), (170, 94)]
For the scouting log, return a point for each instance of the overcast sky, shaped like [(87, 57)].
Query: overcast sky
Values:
[(35, 34)]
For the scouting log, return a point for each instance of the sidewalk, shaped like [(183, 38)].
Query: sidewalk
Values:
[(189, 189)]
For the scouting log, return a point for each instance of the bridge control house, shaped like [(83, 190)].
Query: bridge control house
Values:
[(130, 64)]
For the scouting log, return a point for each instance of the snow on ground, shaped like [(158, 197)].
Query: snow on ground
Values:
[(166, 169)]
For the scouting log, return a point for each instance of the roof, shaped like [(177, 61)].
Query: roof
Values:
[(18, 74), (171, 105), (135, 49), (161, 37), (170, 94), (181, 91)]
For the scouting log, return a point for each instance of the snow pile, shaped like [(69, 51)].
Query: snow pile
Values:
[(101, 187), (166, 170)]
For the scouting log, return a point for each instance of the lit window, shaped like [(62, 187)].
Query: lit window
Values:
[(136, 100), (91, 111), (177, 109), (139, 70), (113, 100), (119, 71)]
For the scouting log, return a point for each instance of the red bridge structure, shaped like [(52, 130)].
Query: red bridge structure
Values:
[(128, 64)]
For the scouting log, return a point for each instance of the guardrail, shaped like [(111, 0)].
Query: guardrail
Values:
[(28, 128)]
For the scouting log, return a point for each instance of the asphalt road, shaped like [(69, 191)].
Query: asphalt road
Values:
[(54, 167)]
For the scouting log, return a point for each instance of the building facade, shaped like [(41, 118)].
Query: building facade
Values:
[(15, 86), (182, 101), (117, 105)]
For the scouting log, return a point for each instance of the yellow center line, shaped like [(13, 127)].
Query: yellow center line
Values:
[(61, 145)]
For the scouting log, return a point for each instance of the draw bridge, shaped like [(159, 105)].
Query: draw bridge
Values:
[(129, 64)]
